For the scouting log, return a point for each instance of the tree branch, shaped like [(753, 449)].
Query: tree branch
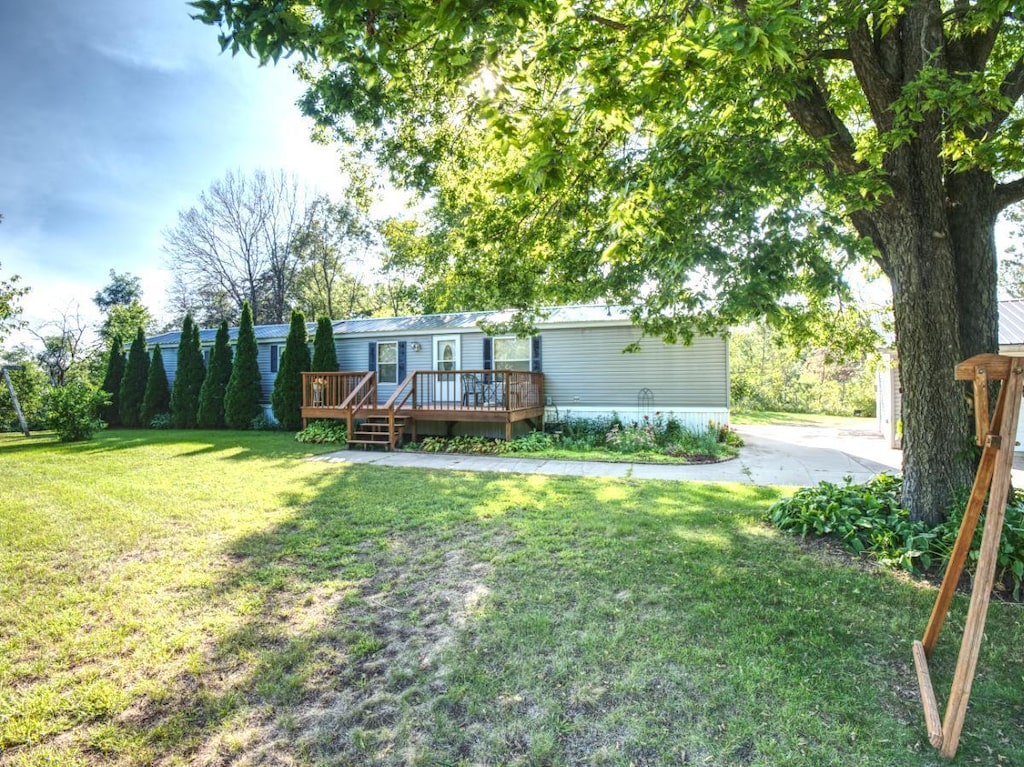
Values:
[(1009, 193), (811, 112), (1012, 89), (605, 22), (878, 85), (831, 54)]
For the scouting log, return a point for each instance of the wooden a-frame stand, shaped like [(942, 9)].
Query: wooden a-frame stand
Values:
[(993, 479)]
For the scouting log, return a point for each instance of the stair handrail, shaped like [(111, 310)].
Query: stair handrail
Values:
[(357, 398), (396, 401)]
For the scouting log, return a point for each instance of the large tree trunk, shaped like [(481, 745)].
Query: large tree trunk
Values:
[(935, 422), (972, 218)]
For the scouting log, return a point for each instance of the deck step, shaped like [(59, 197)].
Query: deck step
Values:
[(375, 431)]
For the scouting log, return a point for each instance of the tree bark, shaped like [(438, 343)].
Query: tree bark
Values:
[(972, 217), (935, 417)]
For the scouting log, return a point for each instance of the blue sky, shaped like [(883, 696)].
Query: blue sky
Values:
[(116, 114)]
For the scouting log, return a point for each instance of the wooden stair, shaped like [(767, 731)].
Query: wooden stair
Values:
[(374, 431)]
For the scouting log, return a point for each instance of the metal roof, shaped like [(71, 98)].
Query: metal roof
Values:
[(1011, 322), (426, 323)]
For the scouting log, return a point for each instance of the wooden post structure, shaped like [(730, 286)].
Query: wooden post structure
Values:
[(14, 396), (992, 479)]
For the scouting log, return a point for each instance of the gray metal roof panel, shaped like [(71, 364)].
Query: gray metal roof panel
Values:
[(1011, 322), (554, 315), (426, 323)]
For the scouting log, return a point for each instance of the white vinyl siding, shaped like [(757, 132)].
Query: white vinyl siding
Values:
[(586, 367)]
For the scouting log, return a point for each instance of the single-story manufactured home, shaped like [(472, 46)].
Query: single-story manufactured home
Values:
[(442, 374), (889, 396)]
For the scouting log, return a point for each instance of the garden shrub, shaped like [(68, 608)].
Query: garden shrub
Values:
[(211, 395), (286, 398), (242, 395), (188, 376), (112, 383), (133, 383), (157, 400), (586, 436), (263, 422), (323, 432), (325, 355), (634, 438), (869, 519), (72, 410)]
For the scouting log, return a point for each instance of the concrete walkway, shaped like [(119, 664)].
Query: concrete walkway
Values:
[(774, 455)]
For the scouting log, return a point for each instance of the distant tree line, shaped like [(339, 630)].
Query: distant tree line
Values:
[(264, 240)]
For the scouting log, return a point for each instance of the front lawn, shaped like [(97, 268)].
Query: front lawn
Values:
[(183, 598)]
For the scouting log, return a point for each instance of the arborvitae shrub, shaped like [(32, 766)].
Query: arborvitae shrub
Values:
[(133, 383), (188, 377), (211, 396), (287, 395), (242, 396), (112, 383), (325, 355), (158, 396)]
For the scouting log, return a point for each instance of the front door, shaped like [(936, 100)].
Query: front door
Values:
[(447, 357)]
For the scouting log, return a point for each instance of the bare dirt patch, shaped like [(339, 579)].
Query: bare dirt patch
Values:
[(376, 652)]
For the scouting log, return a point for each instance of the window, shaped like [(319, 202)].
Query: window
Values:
[(273, 357), (511, 353), (387, 362)]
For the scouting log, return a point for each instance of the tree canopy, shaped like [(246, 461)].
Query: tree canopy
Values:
[(707, 163), (10, 292)]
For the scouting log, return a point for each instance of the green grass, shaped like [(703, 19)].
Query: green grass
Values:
[(204, 598), (740, 417)]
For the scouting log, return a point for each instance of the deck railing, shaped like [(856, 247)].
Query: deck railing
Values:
[(503, 396), (475, 390), (329, 390)]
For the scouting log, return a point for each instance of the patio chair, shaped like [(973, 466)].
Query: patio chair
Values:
[(471, 389)]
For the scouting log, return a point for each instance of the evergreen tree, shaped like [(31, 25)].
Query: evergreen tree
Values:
[(157, 400), (211, 396), (112, 383), (242, 396), (188, 378), (287, 395), (133, 383), (325, 355)]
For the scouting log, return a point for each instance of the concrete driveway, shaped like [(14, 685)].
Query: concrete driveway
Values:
[(806, 454), (774, 455)]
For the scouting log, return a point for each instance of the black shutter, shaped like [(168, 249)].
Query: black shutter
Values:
[(372, 364), (488, 353), (535, 361), (273, 358), (401, 361)]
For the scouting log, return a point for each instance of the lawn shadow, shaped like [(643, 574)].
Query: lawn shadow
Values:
[(405, 616)]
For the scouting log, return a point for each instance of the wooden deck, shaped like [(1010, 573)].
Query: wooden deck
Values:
[(481, 396)]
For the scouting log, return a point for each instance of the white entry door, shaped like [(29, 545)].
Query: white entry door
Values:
[(447, 357)]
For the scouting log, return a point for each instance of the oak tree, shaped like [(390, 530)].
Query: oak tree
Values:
[(712, 162)]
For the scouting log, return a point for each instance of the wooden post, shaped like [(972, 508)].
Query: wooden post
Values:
[(992, 479), (14, 397)]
